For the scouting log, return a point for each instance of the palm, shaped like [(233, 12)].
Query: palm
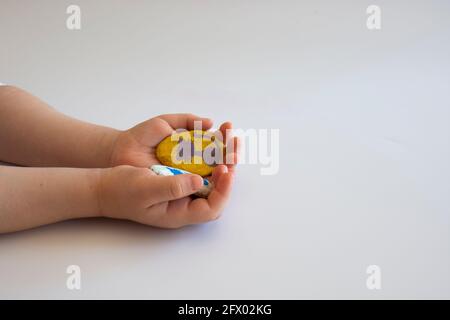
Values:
[(137, 146)]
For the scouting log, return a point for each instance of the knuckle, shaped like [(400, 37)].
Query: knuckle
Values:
[(175, 189), (157, 121)]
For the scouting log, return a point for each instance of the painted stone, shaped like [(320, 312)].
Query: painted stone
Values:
[(195, 151)]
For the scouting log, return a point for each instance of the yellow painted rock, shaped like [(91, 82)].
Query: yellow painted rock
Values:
[(195, 151)]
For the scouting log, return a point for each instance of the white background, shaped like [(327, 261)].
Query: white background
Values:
[(364, 153)]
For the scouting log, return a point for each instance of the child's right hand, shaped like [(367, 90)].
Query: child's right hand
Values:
[(139, 195)]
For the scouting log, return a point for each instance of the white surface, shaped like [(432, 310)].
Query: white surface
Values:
[(365, 156)]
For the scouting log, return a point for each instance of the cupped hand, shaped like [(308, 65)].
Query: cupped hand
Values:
[(137, 194), (137, 146)]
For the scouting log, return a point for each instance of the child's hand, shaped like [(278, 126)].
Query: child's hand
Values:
[(137, 146), (137, 194)]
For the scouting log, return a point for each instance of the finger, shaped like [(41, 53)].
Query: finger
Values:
[(186, 121), (188, 211), (224, 135), (232, 165), (231, 156), (174, 215), (217, 172), (221, 192), (161, 188), (202, 210), (234, 145), (225, 129), (221, 134)]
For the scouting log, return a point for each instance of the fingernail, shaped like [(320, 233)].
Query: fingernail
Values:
[(196, 182)]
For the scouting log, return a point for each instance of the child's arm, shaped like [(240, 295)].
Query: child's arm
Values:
[(34, 134), (31, 197)]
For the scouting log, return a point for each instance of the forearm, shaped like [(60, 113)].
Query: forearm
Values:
[(34, 134), (31, 197)]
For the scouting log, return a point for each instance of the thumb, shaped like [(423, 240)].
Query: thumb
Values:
[(176, 187)]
